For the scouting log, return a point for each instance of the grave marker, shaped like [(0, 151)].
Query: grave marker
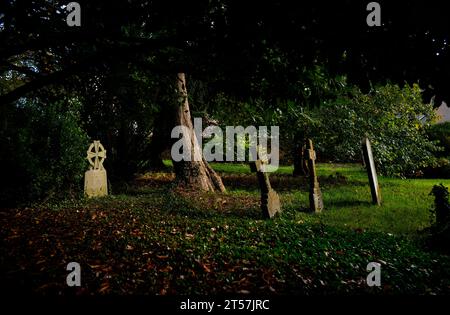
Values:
[(315, 195), (95, 179), (371, 171), (270, 201)]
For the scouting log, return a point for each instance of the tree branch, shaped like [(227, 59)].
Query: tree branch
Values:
[(121, 52), (55, 77), (13, 67)]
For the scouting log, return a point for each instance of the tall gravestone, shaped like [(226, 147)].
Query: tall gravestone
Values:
[(371, 171), (315, 194), (95, 179), (270, 201)]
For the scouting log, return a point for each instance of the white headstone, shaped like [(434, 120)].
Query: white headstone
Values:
[(95, 180)]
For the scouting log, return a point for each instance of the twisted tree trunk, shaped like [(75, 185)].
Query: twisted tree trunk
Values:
[(194, 174)]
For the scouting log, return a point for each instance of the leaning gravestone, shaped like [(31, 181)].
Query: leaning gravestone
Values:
[(95, 179), (270, 201), (315, 195), (371, 171)]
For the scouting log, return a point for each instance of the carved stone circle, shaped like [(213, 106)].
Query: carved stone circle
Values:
[(96, 155)]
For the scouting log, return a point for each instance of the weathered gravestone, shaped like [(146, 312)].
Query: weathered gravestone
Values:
[(270, 201), (371, 171), (95, 179), (315, 195)]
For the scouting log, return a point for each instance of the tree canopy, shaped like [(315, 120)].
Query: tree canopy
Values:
[(112, 77), (243, 47)]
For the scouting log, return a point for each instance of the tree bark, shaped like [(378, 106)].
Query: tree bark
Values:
[(193, 174)]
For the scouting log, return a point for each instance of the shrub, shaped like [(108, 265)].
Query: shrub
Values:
[(42, 151), (389, 117), (441, 134), (439, 169)]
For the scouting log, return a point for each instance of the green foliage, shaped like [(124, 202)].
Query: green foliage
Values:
[(390, 117), (44, 145), (296, 116), (337, 117), (439, 169), (441, 133), (119, 109)]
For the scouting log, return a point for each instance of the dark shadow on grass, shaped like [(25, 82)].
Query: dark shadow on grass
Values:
[(143, 192), (199, 206), (349, 203), (340, 204), (284, 182), (248, 182), (305, 210), (209, 214), (241, 181)]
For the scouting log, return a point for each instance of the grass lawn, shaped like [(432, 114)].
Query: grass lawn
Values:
[(148, 238), (347, 198)]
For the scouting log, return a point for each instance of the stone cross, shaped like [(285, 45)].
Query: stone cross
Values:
[(95, 179), (97, 156), (315, 195), (371, 171), (270, 201)]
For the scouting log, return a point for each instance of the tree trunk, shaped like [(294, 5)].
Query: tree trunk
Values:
[(193, 174)]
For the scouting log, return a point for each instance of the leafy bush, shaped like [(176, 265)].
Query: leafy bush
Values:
[(42, 149), (390, 117), (395, 119), (439, 169), (441, 134)]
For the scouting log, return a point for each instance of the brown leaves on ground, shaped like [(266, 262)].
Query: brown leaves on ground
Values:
[(124, 245), (152, 240)]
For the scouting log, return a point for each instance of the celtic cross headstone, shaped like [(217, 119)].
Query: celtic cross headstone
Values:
[(95, 179)]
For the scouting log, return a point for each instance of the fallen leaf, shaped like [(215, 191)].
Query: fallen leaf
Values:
[(104, 287), (166, 269)]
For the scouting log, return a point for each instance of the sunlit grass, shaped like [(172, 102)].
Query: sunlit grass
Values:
[(405, 207)]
